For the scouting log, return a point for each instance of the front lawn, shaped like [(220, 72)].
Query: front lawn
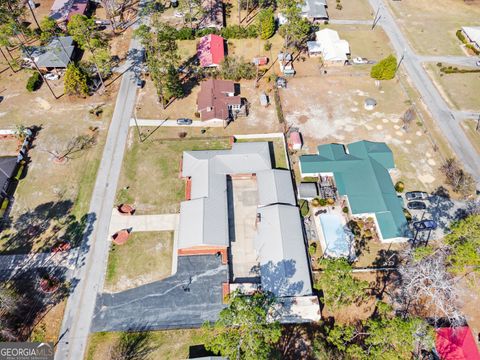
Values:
[(145, 257)]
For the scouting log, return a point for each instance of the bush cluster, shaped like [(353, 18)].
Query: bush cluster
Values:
[(229, 32), (384, 69), (34, 82), (399, 186), (455, 70)]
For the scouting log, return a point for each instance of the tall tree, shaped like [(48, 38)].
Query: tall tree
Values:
[(75, 81), (162, 55), (266, 23), (296, 29), (85, 33), (49, 29), (339, 286), (464, 241), (383, 336), (243, 329), (459, 179)]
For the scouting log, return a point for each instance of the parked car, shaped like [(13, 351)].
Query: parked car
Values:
[(425, 225), (51, 76), (477, 63), (359, 60), (416, 195), (184, 121), (416, 205), (140, 83)]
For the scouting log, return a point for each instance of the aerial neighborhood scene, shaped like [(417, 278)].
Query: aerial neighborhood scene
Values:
[(239, 179)]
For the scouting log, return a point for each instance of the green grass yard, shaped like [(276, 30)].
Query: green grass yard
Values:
[(145, 257), (150, 178)]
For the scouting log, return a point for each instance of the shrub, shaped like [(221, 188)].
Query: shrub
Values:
[(235, 68), (197, 114), (267, 46), (304, 210), (312, 248), (185, 33), (345, 209), (399, 186), (316, 202), (460, 36), (323, 202), (182, 134), (330, 201), (385, 69), (34, 82), (339, 7)]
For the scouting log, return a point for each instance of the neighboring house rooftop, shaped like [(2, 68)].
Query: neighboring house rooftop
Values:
[(331, 46), (307, 190), (315, 9), (473, 33), (456, 344), (361, 173), (211, 50), (63, 10), (214, 98), (56, 54), (8, 165), (204, 220)]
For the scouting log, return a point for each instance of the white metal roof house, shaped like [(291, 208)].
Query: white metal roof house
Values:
[(473, 35), (278, 237), (334, 50)]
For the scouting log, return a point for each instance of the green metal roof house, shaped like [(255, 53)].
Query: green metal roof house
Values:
[(361, 174)]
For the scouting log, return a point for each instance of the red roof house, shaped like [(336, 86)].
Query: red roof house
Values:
[(211, 50), (456, 344), (216, 100)]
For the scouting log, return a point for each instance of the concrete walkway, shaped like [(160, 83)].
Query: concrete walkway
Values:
[(162, 222), (157, 123)]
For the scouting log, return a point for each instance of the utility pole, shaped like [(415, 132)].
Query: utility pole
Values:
[(375, 19), (478, 124), (401, 59), (33, 13)]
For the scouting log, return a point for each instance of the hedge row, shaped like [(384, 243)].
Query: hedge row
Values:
[(229, 32), (455, 70)]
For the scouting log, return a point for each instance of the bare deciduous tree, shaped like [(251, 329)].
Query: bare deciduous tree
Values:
[(426, 286), (407, 118), (455, 176), (70, 149)]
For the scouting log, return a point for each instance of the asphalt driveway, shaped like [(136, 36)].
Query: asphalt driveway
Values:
[(186, 299)]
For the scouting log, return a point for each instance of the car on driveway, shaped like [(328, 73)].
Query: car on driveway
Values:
[(416, 205), (51, 76), (416, 195), (184, 121), (425, 225)]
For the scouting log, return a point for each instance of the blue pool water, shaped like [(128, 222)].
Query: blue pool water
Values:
[(337, 238)]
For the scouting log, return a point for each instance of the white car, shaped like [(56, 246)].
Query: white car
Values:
[(477, 63), (51, 76), (359, 60)]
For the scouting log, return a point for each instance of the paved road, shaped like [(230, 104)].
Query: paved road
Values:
[(469, 61), (161, 222), (166, 304), (157, 123), (437, 106), (91, 271)]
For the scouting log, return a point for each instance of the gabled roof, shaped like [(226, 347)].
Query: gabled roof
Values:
[(332, 47), (361, 173), (8, 165), (211, 50), (473, 33), (280, 244), (456, 344), (316, 9), (275, 187), (56, 54), (213, 95)]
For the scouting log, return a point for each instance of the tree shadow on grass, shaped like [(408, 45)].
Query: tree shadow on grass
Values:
[(133, 346), (43, 228)]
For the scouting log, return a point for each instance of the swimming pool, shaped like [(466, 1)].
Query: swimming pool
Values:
[(337, 236)]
